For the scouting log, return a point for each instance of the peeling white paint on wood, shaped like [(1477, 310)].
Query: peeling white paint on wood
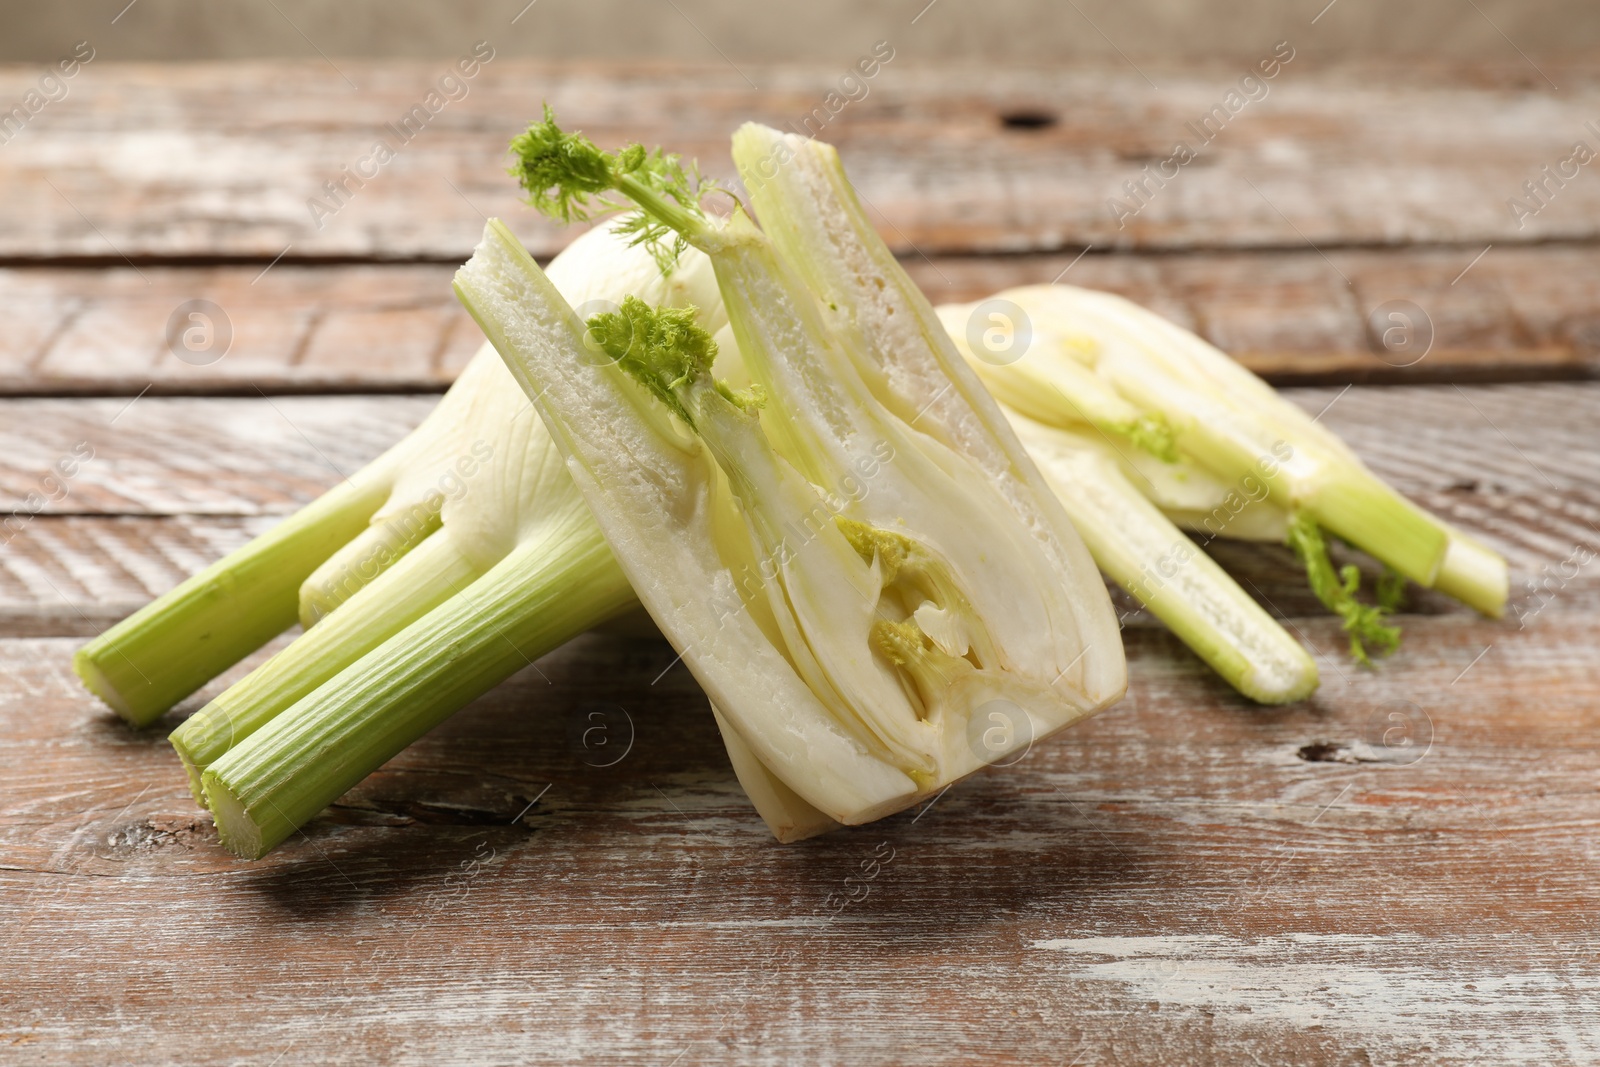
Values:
[(1483, 995)]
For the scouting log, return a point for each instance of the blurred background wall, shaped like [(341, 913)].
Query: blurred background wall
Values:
[(994, 31)]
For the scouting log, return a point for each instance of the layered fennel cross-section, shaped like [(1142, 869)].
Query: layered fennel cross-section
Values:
[(800, 189), (873, 596)]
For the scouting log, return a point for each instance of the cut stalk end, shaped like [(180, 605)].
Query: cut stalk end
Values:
[(544, 593), (201, 741), (237, 827), (85, 664), (1475, 575), (422, 580)]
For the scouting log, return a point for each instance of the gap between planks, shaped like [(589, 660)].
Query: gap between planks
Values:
[(1518, 314), (1359, 154), (178, 482)]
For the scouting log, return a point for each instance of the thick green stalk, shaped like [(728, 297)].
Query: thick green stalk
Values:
[(1342, 496), (1474, 575), (1357, 506), (1140, 550), (421, 581), (544, 593), (161, 653), (365, 559)]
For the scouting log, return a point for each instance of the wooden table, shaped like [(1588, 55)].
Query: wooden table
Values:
[(1400, 869)]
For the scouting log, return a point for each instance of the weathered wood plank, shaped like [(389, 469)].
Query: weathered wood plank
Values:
[(1183, 879), (182, 455), (286, 329), (1518, 313), (77, 574), (1305, 317), (178, 482), (187, 455), (210, 160)]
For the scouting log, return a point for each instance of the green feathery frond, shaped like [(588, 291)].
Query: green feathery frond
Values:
[(1391, 590), (562, 171), (1337, 591), (661, 348), (568, 178)]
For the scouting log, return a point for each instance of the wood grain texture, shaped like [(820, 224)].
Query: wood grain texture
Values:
[(1304, 317), (78, 574), (221, 160), (1184, 879), (290, 328), (176, 482), (1294, 317), (183, 455), (1400, 870)]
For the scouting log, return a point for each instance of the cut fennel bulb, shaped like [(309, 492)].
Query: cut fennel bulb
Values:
[(818, 223), (1277, 463), (875, 594), (870, 565), (1235, 425)]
